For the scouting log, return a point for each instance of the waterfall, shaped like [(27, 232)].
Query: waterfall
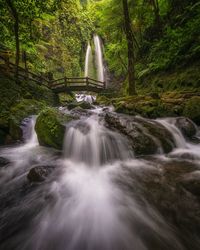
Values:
[(99, 58), (89, 142), (87, 59), (94, 68)]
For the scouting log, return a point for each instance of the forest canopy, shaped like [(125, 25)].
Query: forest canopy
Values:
[(53, 35)]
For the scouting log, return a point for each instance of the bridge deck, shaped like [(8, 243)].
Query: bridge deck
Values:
[(77, 84)]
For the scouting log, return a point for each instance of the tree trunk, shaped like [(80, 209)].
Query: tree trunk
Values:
[(14, 14), (156, 10), (130, 44)]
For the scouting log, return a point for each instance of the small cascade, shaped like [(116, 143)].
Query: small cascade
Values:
[(89, 142), (32, 139), (99, 58), (179, 139), (85, 98)]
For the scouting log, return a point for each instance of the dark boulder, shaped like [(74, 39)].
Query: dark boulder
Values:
[(39, 173), (146, 136), (4, 161)]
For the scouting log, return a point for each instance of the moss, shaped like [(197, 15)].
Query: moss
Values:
[(103, 100), (50, 129), (142, 105), (192, 109), (66, 98), (178, 79)]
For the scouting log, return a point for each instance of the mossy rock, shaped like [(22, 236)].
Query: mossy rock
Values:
[(83, 105), (50, 127), (192, 109), (66, 98), (145, 106), (103, 100)]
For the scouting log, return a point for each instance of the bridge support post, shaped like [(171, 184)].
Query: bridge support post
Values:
[(65, 81), (87, 82)]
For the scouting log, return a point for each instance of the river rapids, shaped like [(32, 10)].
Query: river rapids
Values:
[(99, 195)]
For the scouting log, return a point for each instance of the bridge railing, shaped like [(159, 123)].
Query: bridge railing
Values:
[(65, 82), (23, 74)]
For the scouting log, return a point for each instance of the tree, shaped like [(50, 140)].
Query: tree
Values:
[(130, 45), (15, 17)]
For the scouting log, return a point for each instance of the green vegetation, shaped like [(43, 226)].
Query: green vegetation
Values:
[(151, 53), (166, 40), (18, 102), (192, 109), (52, 35)]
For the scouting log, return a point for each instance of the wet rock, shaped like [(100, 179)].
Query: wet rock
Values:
[(191, 182), (81, 112), (39, 173), (50, 127), (170, 187), (146, 136), (83, 105), (187, 127), (83, 127), (3, 161)]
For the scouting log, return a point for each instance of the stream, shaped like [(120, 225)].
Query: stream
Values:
[(100, 195)]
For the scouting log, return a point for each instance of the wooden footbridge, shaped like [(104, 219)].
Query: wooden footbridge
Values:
[(65, 84), (68, 84)]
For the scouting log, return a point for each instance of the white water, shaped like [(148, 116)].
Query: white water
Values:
[(87, 204), (87, 59), (99, 58), (85, 98), (91, 143), (174, 131)]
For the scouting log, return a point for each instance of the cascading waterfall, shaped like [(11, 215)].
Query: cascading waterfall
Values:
[(99, 58), (87, 59), (92, 201)]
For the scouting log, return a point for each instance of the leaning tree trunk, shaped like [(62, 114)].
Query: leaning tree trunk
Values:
[(130, 44), (16, 32)]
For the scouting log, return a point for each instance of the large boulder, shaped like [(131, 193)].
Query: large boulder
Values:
[(50, 127), (146, 136)]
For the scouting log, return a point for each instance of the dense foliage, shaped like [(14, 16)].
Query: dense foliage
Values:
[(166, 35), (53, 34)]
